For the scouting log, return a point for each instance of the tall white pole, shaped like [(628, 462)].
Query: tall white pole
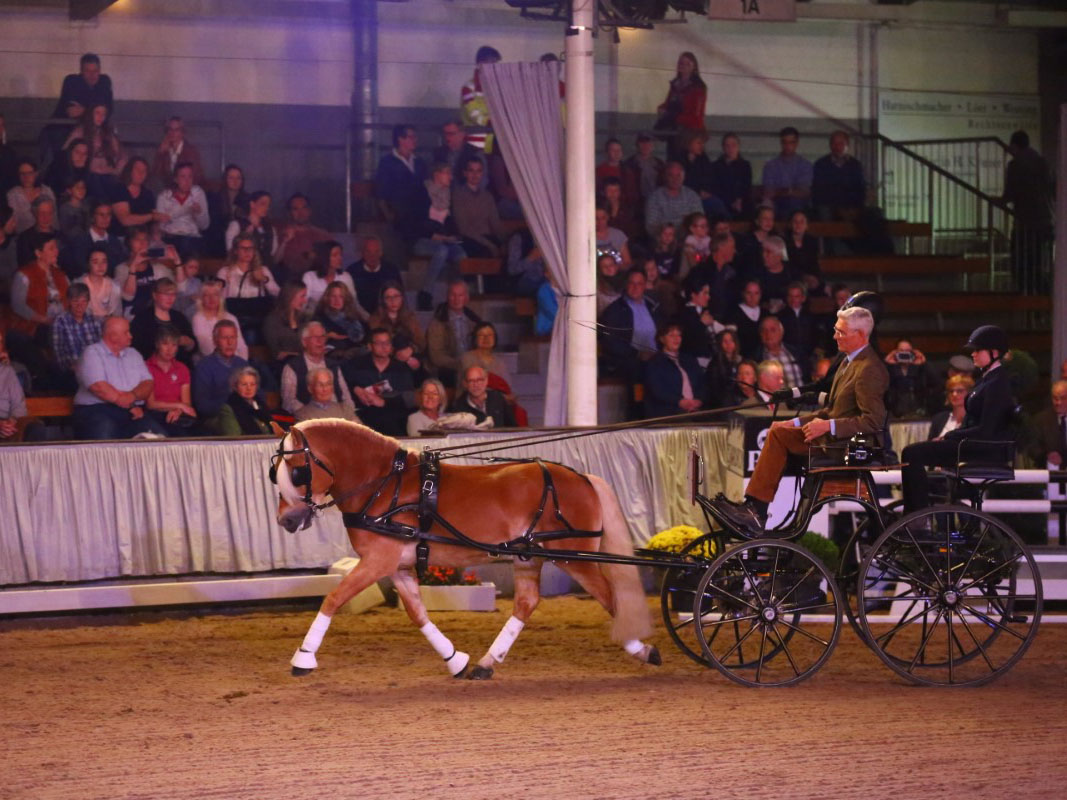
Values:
[(581, 238)]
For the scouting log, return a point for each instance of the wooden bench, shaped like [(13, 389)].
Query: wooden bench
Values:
[(900, 265), (844, 230), (52, 406), (525, 307), (480, 267)]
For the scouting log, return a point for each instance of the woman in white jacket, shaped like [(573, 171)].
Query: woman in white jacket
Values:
[(186, 206)]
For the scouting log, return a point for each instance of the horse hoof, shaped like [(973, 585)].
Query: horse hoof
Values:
[(461, 674), (654, 657), (480, 673), (300, 672)]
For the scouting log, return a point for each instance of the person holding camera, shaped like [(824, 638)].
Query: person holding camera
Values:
[(145, 266), (909, 381), (989, 411)]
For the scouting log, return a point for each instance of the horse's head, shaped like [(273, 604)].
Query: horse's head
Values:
[(302, 476)]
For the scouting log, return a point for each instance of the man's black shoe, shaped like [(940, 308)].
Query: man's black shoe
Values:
[(743, 516)]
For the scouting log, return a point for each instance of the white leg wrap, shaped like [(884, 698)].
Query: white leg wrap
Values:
[(506, 638), (455, 660), (633, 647), (315, 633)]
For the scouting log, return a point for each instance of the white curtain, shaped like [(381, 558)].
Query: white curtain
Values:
[(524, 105)]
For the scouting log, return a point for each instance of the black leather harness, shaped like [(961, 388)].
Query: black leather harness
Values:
[(523, 547)]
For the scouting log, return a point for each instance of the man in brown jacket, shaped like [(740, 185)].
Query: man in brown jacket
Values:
[(856, 405)]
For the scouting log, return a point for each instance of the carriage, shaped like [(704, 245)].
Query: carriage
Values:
[(948, 595)]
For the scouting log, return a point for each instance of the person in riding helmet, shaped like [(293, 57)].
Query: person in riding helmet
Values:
[(989, 411)]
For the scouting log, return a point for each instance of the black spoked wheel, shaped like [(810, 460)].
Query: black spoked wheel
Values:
[(679, 591), (949, 596), (853, 554), (767, 613)]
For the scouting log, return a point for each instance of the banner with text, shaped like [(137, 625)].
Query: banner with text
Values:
[(753, 10)]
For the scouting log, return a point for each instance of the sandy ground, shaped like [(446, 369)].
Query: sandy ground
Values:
[(155, 705)]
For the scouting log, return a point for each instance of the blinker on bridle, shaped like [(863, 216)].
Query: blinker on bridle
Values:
[(300, 475)]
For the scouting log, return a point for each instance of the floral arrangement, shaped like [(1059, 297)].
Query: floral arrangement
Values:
[(448, 576), (676, 539)]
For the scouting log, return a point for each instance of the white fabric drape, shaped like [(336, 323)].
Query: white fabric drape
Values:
[(524, 105)]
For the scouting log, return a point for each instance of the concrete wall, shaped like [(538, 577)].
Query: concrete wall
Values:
[(266, 83)]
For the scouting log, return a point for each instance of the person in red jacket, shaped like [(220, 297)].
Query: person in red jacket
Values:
[(683, 110)]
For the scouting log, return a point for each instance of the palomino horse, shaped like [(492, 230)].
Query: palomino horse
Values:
[(370, 475)]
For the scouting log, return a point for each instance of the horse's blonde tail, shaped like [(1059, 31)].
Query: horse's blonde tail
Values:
[(631, 618)]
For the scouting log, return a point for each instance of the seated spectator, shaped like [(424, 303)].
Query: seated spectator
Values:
[(211, 376), (106, 154), (774, 276), (173, 150), (75, 255), (74, 210), (133, 203), (398, 182), (147, 322), (105, 295), (672, 201), (171, 400), (771, 333), (719, 378), (803, 251), (525, 264), (74, 330), (38, 296), (185, 206), (454, 150), (663, 294), (20, 198), (674, 381), (283, 327), (258, 226), (697, 325), (956, 390), (250, 287), (71, 166), (323, 403), (1049, 426), (621, 213), (327, 267), (547, 307), (730, 179), (338, 313), (187, 277), (145, 266), (696, 247), (838, 189), (683, 110), (718, 271), (244, 413), (801, 327), (698, 173), (476, 215), (482, 354), (210, 308), (378, 383), (478, 399), (787, 177), (743, 391), (745, 318), (628, 331), (667, 252), (81, 91), (225, 206), (449, 331), (16, 424), (611, 166), (770, 377), (503, 187), (300, 237), (44, 223), (370, 273), (750, 247), (394, 316), (113, 386), (610, 281), (430, 402), (295, 391), (611, 241), (821, 369), (642, 172), (438, 237), (909, 381)]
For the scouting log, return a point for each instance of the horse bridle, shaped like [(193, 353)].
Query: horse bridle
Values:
[(300, 475)]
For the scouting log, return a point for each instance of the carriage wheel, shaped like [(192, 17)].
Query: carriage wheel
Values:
[(949, 596), (853, 554), (678, 592), (762, 599)]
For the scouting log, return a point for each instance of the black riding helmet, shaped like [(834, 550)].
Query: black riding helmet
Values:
[(988, 337), (868, 300)]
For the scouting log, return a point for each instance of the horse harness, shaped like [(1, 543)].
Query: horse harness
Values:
[(523, 547)]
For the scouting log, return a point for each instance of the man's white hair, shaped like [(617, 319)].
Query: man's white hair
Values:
[(857, 319)]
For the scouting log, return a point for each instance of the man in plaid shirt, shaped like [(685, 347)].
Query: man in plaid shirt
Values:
[(74, 330)]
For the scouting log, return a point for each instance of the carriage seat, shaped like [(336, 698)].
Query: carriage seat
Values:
[(983, 461)]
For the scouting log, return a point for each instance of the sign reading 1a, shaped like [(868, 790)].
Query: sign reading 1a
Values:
[(753, 10)]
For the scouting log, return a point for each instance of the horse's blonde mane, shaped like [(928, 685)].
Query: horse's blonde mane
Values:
[(333, 425)]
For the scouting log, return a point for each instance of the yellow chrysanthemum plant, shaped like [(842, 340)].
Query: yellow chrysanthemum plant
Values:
[(676, 539)]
